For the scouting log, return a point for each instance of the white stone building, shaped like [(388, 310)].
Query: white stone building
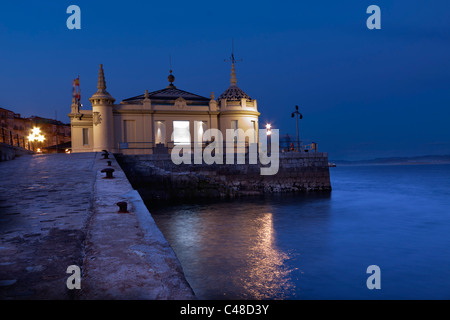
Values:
[(154, 121)]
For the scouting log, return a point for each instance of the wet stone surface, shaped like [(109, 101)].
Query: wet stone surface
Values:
[(57, 210), (44, 208)]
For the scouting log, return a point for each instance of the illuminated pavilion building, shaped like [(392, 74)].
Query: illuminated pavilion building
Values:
[(158, 119)]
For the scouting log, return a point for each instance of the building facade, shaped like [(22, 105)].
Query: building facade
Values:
[(14, 130), (156, 121)]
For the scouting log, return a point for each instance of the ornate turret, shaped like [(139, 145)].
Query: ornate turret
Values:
[(102, 115), (237, 109)]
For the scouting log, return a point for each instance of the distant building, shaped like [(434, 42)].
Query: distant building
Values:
[(9, 120), (54, 131), (15, 129), (159, 118)]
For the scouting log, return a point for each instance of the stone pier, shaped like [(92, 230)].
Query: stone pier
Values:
[(58, 210), (160, 178)]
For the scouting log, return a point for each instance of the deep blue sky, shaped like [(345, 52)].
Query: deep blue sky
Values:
[(363, 93)]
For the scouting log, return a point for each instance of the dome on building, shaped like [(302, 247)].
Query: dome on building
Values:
[(234, 93)]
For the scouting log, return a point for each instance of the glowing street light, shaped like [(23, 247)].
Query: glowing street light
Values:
[(36, 135), (268, 131), (35, 132)]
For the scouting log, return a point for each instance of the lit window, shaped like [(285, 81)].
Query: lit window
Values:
[(160, 132), (200, 128), (181, 133)]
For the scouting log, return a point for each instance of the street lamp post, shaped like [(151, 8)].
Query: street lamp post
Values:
[(298, 115)]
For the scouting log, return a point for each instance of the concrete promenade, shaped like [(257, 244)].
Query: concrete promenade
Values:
[(58, 210)]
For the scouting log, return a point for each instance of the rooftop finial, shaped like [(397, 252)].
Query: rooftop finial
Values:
[(233, 80), (101, 84), (171, 77)]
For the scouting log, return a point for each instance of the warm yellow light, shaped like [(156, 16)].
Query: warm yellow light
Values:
[(36, 131), (36, 135)]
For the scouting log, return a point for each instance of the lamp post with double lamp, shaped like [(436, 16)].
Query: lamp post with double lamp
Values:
[(36, 135), (268, 133), (298, 115)]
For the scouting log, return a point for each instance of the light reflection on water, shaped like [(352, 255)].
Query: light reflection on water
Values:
[(318, 246), (230, 256), (228, 249)]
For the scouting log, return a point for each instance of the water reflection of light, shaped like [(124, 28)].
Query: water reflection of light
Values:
[(265, 276), (232, 256)]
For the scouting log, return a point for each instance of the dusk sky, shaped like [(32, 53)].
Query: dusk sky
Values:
[(363, 93)]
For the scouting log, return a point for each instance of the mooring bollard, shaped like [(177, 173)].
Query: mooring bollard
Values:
[(109, 163), (109, 173), (105, 155), (122, 207)]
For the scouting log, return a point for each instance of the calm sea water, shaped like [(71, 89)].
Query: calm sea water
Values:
[(318, 246)]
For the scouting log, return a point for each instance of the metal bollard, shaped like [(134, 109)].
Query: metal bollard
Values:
[(122, 207), (109, 163), (109, 173)]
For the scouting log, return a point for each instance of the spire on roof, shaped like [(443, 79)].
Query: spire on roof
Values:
[(101, 88), (233, 80), (101, 84), (233, 92)]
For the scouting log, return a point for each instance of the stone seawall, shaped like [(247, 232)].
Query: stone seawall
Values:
[(8, 152), (160, 178)]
